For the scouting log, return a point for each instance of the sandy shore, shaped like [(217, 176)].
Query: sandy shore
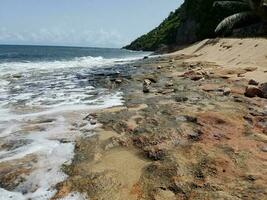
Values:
[(193, 134)]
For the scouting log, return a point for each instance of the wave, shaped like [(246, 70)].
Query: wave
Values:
[(78, 62)]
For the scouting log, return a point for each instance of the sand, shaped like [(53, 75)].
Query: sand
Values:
[(232, 53)]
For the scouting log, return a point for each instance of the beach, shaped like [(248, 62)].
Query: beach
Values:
[(180, 127), (185, 131)]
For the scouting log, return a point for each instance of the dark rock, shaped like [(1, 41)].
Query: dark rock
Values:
[(253, 82), (196, 77), (181, 98), (191, 119), (146, 57), (263, 89), (195, 136), (227, 91), (155, 153), (253, 91)]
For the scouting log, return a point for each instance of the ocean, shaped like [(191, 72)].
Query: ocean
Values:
[(44, 92)]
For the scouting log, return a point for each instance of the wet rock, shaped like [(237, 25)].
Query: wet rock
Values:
[(118, 81), (263, 89), (252, 91), (16, 76), (93, 121), (146, 57), (227, 91), (146, 86), (253, 82)]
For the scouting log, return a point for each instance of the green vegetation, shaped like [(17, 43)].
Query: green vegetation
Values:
[(196, 20), (165, 33)]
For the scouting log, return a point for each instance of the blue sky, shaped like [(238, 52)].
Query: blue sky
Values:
[(102, 23)]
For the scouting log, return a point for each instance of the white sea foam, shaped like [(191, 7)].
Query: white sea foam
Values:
[(32, 90), (16, 68)]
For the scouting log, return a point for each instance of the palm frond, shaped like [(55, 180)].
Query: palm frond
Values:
[(229, 23)]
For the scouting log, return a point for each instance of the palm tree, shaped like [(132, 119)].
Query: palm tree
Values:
[(245, 12)]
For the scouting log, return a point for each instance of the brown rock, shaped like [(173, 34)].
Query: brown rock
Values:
[(253, 91), (253, 82), (227, 91), (263, 89), (196, 77)]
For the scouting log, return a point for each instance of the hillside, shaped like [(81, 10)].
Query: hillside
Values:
[(195, 20)]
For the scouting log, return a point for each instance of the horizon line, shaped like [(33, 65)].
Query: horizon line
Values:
[(51, 45)]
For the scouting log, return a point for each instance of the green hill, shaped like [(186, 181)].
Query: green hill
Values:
[(193, 21)]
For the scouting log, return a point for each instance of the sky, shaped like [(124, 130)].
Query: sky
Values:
[(95, 23)]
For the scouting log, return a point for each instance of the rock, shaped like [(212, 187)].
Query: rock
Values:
[(17, 76), (253, 82), (167, 91), (263, 89), (159, 67), (118, 81), (252, 91), (169, 84), (93, 122), (227, 91), (264, 149), (251, 69), (154, 153), (195, 136), (196, 77), (240, 75), (146, 57), (163, 194), (181, 99), (153, 78), (146, 86), (191, 119)]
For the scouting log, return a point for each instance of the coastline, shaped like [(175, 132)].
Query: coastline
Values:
[(194, 135)]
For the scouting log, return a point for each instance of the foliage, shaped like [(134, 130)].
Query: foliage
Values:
[(165, 33), (200, 11)]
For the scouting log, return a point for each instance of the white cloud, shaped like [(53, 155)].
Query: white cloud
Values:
[(59, 36)]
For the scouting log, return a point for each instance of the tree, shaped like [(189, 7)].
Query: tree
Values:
[(245, 12)]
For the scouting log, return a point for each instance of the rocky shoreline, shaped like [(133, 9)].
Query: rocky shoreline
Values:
[(186, 131)]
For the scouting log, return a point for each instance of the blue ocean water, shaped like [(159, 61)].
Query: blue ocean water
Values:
[(20, 53), (51, 76)]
